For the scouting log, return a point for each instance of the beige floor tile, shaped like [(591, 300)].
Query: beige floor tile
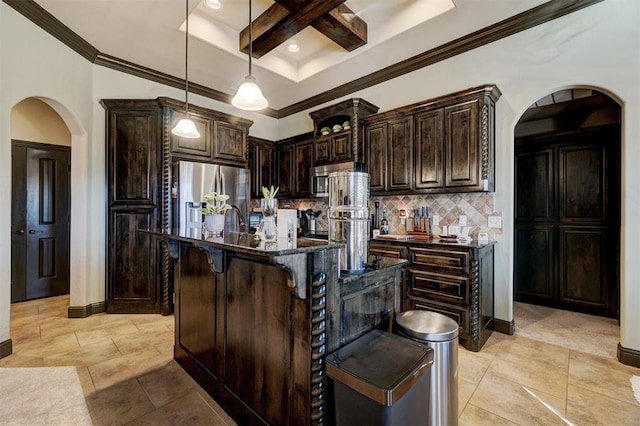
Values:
[(493, 345), (465, 390), (511, 401), (116, 370), (191, 409), (140, 340), (60, 326), (119, 404), (84, 356), (471, 365), (47, 347), (155, 383), (474, 416), (106, 331), (25, 334), (215, 406), (525, 347), (85, 381), (585, 407), (535, 373), (603, 375), (17, 360)]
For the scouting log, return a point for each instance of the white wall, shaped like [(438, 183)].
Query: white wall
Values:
[(580, 49), (596, 47)]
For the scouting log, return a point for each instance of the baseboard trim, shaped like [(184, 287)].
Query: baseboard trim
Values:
[(85, 311), (504, 327), (628, 356), (6, 348)]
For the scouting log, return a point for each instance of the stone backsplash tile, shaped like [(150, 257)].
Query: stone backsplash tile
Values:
[(476, 206)]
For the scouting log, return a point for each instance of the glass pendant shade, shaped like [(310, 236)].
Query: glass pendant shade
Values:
[(186, 129), (249, 96)]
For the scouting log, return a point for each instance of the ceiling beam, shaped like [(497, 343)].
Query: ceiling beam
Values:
[(277, 24), (341, 25)]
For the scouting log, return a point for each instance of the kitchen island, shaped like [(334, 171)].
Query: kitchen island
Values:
[(255, 320)]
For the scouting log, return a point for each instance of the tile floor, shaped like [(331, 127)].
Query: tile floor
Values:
[(128, 376)]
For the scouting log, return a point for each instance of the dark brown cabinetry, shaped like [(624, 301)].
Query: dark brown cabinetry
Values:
[(344, 144), (446, 145), (294, 158), (261, 165), (140, 150), (389, 143), (223, 138), (455, 280)]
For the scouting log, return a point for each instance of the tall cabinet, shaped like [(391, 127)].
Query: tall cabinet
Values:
[(140, 151)]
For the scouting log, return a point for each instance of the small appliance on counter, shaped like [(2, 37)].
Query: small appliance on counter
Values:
[(349, 218)]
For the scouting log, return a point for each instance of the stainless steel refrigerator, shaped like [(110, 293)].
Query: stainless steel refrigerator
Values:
[(193, 180)]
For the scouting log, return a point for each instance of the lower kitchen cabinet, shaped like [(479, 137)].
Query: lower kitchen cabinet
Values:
[(456, 280)]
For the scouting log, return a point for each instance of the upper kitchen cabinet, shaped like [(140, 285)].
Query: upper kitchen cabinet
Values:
[(223, 137), (261, 164), (454, 141), (450, 147), (337, 130), (389, 146), (294, 159)]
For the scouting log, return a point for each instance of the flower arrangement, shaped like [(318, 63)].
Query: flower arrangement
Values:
[(215, 203), (269, 194)]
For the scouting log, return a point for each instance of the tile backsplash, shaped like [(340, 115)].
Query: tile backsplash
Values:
[(477, 206)]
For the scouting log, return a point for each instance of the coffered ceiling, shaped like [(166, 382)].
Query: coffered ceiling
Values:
[(146, 38)]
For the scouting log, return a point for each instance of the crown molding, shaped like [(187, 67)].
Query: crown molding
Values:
[(539, 15)]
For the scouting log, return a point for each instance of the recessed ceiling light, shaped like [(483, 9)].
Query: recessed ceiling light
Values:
[(293, 47), (213, 4)]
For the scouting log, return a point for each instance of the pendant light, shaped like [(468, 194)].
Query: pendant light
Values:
[(185, 127), (249, 96)]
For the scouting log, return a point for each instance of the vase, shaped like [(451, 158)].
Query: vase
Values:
[(269, 208), (214, 224)]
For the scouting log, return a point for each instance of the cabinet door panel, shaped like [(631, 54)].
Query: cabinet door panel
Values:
[(439, 286), (462, 166), (230, 143), (199, 147), (322, 150), (535, 190), (366, 309), (261, 168), (303, 162), (285, 169), (534, 267), (582, 184), (341, 148), (429, 143), (386, 250), (376, 142), (400, 168)]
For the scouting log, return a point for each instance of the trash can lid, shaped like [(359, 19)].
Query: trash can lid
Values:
[(427, 325), (380, 365)]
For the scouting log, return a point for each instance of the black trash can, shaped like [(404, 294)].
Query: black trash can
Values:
[(381, 379)]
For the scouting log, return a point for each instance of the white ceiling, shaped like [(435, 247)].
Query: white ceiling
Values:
[(151, 33)]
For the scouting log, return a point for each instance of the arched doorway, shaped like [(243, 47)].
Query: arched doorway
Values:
[(567, 203), (77, 137)]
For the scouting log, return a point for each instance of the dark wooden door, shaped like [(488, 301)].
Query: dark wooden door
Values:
[(304, 161), (285, 167), (40, 221), (400, 149), (375, 137), (261, 165), (134, 176), (462, 150), (568, 221), (428, 147)]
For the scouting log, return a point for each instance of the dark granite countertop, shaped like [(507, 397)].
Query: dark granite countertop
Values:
[(430, 242), (374, 265), (243, 242)]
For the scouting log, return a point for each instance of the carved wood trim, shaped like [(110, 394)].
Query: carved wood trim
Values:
[(166, 307), (296, 266), (318, 348), (474, 301), (215, 256), (521, 22), (484, 140)]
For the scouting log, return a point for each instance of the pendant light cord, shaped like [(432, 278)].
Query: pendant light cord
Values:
[(186, 58), (250, 39)]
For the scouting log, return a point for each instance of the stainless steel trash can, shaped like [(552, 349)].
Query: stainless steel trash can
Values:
[(381, 379), (440, 333)]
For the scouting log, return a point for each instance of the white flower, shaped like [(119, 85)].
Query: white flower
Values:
[(215, 203)]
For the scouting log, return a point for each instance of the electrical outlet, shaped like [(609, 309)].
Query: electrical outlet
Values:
[(435, 220), (462, 220), (495, 222)]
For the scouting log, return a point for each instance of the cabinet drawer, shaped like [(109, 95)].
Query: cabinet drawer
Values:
[(453, 288), (454, 261), (386, 250), (456, 313)]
